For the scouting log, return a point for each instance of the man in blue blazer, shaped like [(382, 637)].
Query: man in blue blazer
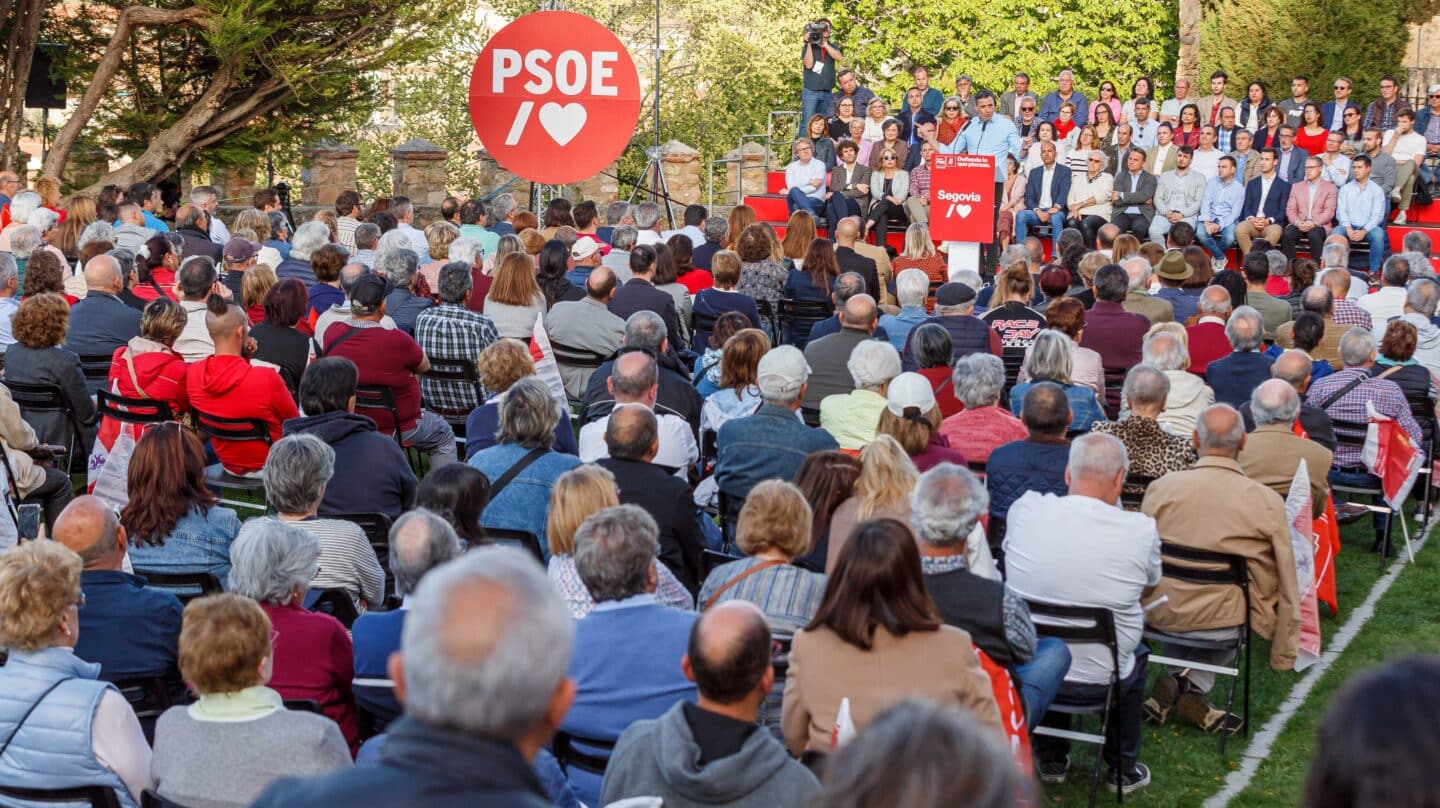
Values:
[(1263, 214), (1235, 377), (1331, 110), (1046, 190)]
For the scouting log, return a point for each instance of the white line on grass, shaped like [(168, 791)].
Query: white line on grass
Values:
[(1264, 740)]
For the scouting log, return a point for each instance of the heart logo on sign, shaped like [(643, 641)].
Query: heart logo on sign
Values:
[(963, 210), (562, 121)]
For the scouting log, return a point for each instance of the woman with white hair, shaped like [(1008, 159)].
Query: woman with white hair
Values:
[(273, 563), (983, 424), (308, 238), (1051, 359), (21, 206), (911, 288), (851, 418), (1167, 348)]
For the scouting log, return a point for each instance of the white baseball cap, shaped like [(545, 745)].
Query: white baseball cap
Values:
[(782, 370), (909, 390)]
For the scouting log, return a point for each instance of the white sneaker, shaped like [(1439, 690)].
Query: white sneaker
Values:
[(1219, 264), (1399, 218)]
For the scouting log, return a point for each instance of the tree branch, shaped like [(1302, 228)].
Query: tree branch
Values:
[(105, 71)]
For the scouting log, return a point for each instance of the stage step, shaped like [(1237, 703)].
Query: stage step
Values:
[(775, 182)]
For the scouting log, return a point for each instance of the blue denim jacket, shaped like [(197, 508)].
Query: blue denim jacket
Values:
[(199, 542), (525, 501), (1084, 406), (769, 445)]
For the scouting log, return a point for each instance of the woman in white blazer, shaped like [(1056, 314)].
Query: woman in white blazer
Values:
[(889, 186)]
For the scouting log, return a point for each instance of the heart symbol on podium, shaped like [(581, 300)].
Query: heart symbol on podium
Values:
[(562, 122), (963, 210)]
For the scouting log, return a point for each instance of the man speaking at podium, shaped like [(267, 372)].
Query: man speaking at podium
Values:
[(993, 135)]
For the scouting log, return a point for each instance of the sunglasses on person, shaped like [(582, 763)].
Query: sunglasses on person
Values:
[(1027, 109), (952, 107), (888, 157)]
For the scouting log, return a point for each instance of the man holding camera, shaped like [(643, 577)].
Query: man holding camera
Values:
[(820, 58)]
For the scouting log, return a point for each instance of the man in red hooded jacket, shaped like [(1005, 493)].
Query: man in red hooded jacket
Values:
[(228, 386)]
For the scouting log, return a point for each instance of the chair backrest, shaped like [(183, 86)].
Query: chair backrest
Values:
[(1204, 567), (219, 427), (709, 448), (44, 398), (563, 747), (457, 371), (304, 706), (184, 582), (527, 540), (133, 410), (96, 368), (150, 799), (571, 356), (710, 559), (376, 527), (1077, 625), (378, 397), (1130, 498), (148, 697), (797, 317), (96, 796), (810, 415), (337, 604)]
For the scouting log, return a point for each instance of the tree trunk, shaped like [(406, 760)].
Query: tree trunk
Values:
[(1188, 65), (105, 72), (19, 54)]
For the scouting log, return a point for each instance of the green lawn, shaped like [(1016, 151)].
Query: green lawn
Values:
[(1186, 767)]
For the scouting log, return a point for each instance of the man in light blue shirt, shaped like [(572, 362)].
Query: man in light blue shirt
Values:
[(1220, 210), (805, 180), (147, 196), (993, 135), (1360, 209), (1065, 84), (1146, 130)]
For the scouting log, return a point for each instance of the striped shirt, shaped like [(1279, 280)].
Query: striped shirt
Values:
[(347, 561)]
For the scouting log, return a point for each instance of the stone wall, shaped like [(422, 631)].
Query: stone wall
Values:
[(329, 169)]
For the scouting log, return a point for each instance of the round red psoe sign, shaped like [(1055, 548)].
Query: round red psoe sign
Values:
[(554, 97)]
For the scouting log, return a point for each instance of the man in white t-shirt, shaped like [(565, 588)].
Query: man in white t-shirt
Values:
[(1408, 148), (635, 380), (1206, 159), (1083, 550)]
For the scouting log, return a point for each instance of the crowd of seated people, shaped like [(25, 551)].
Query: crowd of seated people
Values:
[(639, 531)]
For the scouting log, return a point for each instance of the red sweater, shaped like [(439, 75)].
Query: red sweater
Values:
[(230, 387), (314, 659)]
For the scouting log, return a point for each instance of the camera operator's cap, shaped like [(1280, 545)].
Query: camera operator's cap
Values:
[(909, 390), (368, 292), (240, 250), (953, 294), (1173, 267), (782, 371), (584, 248)]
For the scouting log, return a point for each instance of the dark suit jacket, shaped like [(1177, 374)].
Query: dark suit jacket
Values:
[(639, 294), (1059, 187), (1271, 207), (198, 243), (1236, 376), (847, 189), (1296, 171), (1316, 422), (668, 501), (99, 324), (908, 124), (1143, 194), (1328, 112), (701, 256), (851, 261)]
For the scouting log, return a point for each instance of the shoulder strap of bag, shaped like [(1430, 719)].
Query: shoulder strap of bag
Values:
[(773, 562), (26, 716), (514, 471), (328, 349), (134, 379), (1392, 369), (1338, 394)]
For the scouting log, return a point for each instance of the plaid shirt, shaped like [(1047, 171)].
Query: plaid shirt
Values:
[(920, 182), (1350, 409), (1349, 314), (456, 334)]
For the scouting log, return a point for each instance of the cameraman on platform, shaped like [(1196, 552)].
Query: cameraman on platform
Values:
[(820, 58)]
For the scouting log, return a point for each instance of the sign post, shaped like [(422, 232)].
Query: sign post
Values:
[(962, 204), (554, 97)]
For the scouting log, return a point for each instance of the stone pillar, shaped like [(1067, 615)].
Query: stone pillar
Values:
[(235, 184), (602, 188), (329, 169), (681, 165), (751, 173), (419, 171), (86, 167)]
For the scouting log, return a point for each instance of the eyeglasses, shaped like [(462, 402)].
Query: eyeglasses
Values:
[(80, 602)]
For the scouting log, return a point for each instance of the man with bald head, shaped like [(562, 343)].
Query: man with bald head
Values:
[(847, 285), (1273, 451), (712, 752), (1215, 507), (101, 322), (829, 356), (131, 630), (1320, 300), (634, 379), (225, 384), (847, 239), (632, 442), (1294, 368), (1347, 312)]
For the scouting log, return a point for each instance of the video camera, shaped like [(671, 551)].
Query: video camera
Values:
[(815, 31)]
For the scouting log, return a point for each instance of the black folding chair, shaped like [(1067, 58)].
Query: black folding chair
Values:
[(525, 539), (149, 697), (729, 518), (220, 428), (567, 356), (710, 559), (142, 411), (96, 796), (797, 317), (38, 398), (709, 451), (1208, 568), (1423, 408), (337, 604), (184, 585), (1082, 625), (377, 531), (810, 415), (150, 799), (304, 706), (563, 747), (1352, 434), (379, 397), (1133, 493), (96, 370), (455, 371), (769, 321)]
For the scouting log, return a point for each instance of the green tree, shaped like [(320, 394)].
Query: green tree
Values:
[(1272, 40), (991, 40), (187, 82)]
